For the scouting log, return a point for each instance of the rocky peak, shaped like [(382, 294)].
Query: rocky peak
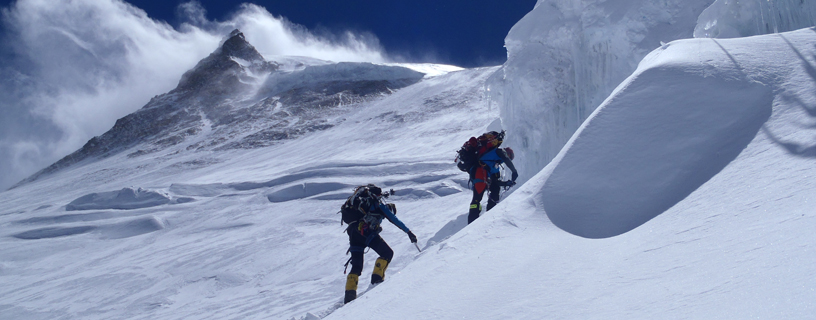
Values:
[(236, 46), (237, 100), (221, 72)]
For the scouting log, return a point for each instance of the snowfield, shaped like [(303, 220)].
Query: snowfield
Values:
[(687, 193)]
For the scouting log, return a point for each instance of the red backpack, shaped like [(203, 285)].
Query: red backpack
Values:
[(468, 155)]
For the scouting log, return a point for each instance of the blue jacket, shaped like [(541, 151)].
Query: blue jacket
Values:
[(379, 207), (493, 159)]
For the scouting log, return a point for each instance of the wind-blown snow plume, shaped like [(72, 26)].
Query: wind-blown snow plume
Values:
[(74, 67), (275, 36)]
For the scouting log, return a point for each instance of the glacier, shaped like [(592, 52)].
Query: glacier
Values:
[(731, 19), (566, 56)]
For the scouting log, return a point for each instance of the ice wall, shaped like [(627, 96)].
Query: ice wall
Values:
[(566, 56), (732, 19)]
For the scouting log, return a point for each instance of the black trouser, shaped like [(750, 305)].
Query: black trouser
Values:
[(494, 190), (357, 240)]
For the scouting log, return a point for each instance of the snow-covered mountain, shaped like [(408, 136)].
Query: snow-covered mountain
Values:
[(261, 166), (684, 194), (235, 99)]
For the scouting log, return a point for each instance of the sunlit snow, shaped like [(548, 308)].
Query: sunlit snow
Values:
[(687, 193)]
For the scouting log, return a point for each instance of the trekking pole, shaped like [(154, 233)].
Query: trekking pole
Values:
[(417, 246)]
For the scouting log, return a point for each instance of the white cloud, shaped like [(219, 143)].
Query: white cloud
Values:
[(94, 61), (276, 36)]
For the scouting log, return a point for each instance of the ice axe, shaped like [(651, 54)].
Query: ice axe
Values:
[(391, 193)]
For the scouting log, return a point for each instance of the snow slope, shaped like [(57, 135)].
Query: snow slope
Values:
[(717, 132), (236, 233)]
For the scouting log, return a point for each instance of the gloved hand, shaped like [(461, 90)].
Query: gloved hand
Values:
[(412, 237)]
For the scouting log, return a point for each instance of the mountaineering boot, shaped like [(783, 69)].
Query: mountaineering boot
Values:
[(473, 213), (379, 271), (351, 287)]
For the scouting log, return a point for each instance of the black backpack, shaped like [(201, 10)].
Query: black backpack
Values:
[(468, 155), (354, 209), (355, 206)]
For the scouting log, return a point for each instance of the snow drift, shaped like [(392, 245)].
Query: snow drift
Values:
[(125, 199), (669, 128), (687, 112)]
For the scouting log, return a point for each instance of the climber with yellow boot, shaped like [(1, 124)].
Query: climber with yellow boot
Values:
[(364, 211)]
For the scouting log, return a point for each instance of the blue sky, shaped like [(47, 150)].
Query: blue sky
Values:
[(464, 33), (459, 32)]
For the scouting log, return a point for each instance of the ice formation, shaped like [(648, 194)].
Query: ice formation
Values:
[(566, 56), (732, 19), (685, 114)]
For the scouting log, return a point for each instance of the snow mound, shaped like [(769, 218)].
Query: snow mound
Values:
[(304, 190), (732, 19), (299, 184), (125, 199), (131, 228), (699, 102), (118, 230), (46, 233)]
